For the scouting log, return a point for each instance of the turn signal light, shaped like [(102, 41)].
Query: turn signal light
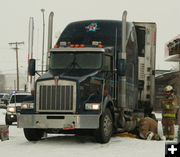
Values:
[(105, 92)]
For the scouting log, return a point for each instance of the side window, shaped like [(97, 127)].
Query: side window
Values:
[(107, 63), (141, 37)]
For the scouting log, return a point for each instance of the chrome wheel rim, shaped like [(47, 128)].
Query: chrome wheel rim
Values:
[(107, 125)]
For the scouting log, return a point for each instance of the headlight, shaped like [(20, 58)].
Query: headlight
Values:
[(11, 109), (92, 106), (27, 106)]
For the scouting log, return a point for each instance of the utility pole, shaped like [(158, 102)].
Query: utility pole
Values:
[(17, 68), (43, 10)]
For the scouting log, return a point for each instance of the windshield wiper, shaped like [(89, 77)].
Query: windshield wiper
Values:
[(73, 64)]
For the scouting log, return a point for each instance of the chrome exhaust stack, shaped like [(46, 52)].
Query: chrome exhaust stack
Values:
[(122, 55), (50, 32)]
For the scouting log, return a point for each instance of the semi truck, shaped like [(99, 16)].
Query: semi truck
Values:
[(99, 74)]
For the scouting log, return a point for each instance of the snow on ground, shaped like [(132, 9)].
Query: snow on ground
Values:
[(75, 146)]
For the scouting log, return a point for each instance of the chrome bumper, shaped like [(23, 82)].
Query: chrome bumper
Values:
[(58, 121)]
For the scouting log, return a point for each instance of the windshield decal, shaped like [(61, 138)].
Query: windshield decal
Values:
[(92, 27)]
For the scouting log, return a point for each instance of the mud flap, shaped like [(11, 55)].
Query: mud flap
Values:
[(4, 132)]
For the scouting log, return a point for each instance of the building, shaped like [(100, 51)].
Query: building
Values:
[(8, 83)]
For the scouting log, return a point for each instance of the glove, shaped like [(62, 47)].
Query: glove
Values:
[(167, 106), (156, 137), (163, 138), (150, 135)]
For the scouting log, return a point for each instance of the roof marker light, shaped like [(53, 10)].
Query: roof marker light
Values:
[(63, 43), (100, 46), (72, 45), (82, 45), (55, 46)]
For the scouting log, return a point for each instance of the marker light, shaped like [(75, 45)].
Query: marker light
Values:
[(63, 43), (77, 45), (55, 46), (105, 92), (100, 46), (82, 45), (72, 45), (96, 43)]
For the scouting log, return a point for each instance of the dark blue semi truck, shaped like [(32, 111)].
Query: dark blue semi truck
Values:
[(99, 74)]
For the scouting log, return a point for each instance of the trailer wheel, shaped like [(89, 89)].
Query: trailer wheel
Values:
[(8, 122), (33, 134), (104, 133)]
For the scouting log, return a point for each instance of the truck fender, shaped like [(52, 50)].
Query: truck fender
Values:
[(107, 102)]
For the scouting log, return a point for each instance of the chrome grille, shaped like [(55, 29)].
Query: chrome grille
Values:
[(18, 108), (56, 98)]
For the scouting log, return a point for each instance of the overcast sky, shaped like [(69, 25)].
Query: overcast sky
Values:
[(15, 14)]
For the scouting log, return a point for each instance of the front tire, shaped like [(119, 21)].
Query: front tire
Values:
[(105, 130), (33, 134)]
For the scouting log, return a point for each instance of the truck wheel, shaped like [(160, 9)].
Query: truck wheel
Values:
[(8, 122), (33, 134), (105, 130)]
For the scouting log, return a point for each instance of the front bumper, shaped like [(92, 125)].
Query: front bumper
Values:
[(58, 121)]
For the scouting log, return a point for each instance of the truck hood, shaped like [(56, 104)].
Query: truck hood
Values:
[(78, 75)]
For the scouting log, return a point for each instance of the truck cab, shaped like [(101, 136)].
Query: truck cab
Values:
[(87, 78)]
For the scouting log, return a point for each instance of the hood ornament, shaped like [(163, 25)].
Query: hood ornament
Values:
[(56, 80)]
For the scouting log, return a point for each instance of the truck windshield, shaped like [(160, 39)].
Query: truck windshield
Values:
[(75, 60)]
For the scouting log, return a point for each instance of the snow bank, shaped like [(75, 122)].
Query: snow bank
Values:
[(2, 116)]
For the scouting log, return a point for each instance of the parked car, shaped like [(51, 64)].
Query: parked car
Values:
[(14, 106), (3, 97)]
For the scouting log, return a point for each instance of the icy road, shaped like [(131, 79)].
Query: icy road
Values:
[(74, 146)]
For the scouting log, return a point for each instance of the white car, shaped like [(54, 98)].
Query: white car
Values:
[(14, 106)]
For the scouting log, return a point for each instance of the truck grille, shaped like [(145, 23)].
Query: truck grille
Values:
[(56, 98), (18, 109)]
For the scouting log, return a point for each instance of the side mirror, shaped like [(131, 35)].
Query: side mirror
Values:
[(121, 69), (32, 65)]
